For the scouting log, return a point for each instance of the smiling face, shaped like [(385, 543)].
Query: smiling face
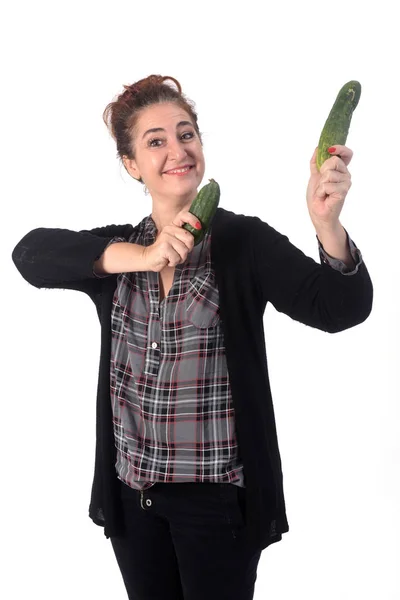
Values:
[(165, 140)]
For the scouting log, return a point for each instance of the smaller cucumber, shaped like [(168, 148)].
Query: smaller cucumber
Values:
[(337, 124), (204, 207)]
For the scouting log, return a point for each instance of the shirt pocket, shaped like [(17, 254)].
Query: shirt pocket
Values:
[(202, 301)]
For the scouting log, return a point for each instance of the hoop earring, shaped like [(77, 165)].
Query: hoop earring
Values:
[(145, 190)]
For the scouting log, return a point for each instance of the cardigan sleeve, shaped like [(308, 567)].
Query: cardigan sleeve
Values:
[(341, 266), (313, 294), (62, 258)]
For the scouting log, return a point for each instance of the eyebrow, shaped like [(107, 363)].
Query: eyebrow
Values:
[(154, 129)]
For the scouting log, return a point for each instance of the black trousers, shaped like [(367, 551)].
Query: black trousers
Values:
[(186, 541)]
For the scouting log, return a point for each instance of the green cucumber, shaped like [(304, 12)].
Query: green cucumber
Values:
[(204, 207), (337, 124)]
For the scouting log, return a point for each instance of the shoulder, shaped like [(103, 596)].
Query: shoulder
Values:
[(234, 237), (110, 231), (233, 225)]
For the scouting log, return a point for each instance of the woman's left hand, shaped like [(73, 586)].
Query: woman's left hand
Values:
[(327, 188)]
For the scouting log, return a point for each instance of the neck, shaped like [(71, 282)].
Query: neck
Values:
[(165, 210)]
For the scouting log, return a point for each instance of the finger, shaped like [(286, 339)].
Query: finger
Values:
[(173, 249), (173, 257), (329, 189), (330, 176), (175, 232), (180, 248), (186, 217), (184, 236), (343, 152), (334, 163)]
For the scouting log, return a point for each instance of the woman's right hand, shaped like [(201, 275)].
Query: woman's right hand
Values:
[(172, 245)]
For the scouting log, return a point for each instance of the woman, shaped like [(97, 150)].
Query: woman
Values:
[(188, 482)]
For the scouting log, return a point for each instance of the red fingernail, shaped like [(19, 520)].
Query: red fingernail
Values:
[(198, 225), (332, 149)]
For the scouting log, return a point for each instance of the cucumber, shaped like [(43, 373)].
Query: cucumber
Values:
[(337, 124), (204, 207)]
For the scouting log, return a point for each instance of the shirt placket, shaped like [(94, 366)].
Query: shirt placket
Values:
[(153, 346)]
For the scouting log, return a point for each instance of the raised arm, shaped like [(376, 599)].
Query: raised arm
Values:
[(315, 294)]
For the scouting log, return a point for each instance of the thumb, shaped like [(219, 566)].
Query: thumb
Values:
[(313, 163)]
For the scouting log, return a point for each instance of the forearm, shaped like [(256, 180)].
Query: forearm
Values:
[(334, 242), (121, 257)]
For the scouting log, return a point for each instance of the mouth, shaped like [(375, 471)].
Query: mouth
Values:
[(179, 172)]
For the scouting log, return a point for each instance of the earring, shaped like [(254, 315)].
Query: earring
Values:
[(146, 191)]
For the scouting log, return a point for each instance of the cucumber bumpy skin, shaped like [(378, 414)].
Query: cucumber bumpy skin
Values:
[(337, 124), (204, 207)]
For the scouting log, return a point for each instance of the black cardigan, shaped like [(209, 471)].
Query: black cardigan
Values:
[(254, 264)]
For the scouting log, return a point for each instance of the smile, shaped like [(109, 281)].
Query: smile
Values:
[(179, 171)]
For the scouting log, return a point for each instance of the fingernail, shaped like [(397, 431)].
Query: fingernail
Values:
[(332, 149), (198, 225)]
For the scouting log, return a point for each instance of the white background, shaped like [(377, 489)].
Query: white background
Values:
[(264, 79)]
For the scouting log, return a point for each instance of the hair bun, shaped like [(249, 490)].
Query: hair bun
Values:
[(150, 81)]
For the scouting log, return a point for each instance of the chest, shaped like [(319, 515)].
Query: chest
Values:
[(166, 279)]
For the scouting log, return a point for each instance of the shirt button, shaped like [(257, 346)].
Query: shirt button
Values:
[(154, 345)]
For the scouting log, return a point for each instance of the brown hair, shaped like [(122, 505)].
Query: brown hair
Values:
[(121, 115)]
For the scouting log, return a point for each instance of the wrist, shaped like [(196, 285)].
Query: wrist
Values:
[(143, 257), (333, 240), (335, 244), (329, 229)]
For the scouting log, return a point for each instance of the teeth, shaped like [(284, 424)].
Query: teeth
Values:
[(180, 170)]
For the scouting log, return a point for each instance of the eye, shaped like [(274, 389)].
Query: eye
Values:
[(189, 133), (150, 142)]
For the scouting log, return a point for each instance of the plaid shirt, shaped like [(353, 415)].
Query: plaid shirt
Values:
[(173, 415)]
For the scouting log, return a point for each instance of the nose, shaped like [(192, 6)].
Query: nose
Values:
[(177, 151)]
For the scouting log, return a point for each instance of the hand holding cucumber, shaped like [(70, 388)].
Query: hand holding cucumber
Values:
[(327, 188), (172, 245), (330, 179), (187, 230)]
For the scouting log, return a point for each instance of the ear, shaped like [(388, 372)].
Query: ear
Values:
[(131, 167)]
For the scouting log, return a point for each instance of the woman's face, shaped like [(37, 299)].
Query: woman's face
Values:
[(174, 145)]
